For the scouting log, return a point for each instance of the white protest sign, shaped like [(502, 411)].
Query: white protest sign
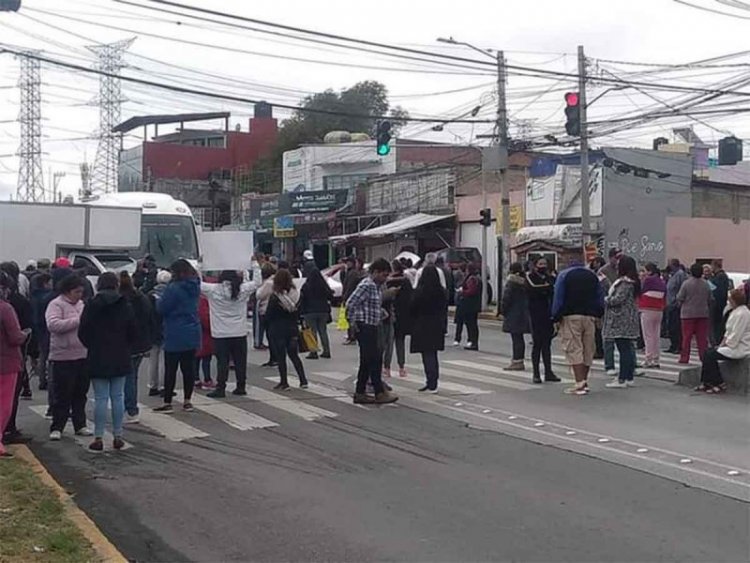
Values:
[(227, 250)]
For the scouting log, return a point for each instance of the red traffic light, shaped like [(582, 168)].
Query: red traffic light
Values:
[(572, 99)]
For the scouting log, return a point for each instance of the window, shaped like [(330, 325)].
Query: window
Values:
[(81, 263), (345, 181)]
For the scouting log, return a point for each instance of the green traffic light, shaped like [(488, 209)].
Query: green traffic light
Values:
[(384, 150)]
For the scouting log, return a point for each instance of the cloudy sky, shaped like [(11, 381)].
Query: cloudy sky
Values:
[(536, 34)]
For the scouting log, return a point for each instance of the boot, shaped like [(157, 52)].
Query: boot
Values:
[(537, 377), (385, 398), (550, 377), (363, 399), (516, 365)]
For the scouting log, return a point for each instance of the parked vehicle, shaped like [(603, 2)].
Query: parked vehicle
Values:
[(456, 256)]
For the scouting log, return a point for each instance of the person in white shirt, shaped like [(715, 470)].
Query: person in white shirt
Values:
[(431, 259), (735, 346), (229, 328)]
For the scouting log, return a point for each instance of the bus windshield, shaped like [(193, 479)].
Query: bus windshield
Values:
[(167, 238)]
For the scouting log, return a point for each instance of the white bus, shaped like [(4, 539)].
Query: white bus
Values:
[(168, 229)]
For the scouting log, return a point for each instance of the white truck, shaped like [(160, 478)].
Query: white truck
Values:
[(104, 233)]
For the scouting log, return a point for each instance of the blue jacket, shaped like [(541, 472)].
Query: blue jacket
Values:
[(178, 308)]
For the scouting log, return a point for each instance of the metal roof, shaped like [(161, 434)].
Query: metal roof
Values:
[(142, 120), (399, 226)]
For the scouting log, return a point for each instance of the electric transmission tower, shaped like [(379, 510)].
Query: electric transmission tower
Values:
[(104, 173), (30, 175)]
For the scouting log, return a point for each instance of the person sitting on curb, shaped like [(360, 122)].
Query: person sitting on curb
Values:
[(734, 347)]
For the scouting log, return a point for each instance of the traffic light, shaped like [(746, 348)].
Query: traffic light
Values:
[(573, 114), (10, 5), (383, 138), (485, 217)]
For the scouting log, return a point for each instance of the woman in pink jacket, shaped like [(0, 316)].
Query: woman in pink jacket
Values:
[(68, 358), (11, 340)]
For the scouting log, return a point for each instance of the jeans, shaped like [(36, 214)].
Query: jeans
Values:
[(699, 329), (284, 344), (651, 324), (154, 366), (385, 343), (71, 384), (7, 391), (710, 373), (131, 385), (203, 365), (108, 391), (370, 359), (626, 348), (431, 369), (236, 349), (471, 320), (318, 322), (185, 360), (609, 354), (674, 327), (519, 346)]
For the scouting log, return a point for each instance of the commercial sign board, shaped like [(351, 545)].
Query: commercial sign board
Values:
[(299, 203), (283, 227)]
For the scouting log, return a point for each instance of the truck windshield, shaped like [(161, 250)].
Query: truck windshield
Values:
[(167, 238)]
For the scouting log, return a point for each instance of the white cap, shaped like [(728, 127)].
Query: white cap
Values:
[(163, 277), (307, 255), (31, 264)]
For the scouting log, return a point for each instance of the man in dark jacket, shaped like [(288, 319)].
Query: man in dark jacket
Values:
[(721, 294)]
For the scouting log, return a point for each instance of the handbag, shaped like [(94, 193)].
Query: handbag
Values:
[(343, 323), (307, 339)]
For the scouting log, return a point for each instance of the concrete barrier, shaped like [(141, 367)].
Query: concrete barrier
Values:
[(736, 374)]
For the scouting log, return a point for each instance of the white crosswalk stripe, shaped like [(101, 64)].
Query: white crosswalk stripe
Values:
[(287, 404), (168, 426), (497, 381), (82, 441), (327, 392), (496, 369), (233, 416), (443, 385)]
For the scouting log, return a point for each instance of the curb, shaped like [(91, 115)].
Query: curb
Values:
[(90, 531)]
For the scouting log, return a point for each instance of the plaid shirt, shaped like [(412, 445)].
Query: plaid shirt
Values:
[(365, 303)]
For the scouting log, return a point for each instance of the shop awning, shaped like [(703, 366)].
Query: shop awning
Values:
[(566, 235), (400, 226)]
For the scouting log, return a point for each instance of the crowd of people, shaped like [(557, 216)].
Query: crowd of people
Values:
[(74, 338)]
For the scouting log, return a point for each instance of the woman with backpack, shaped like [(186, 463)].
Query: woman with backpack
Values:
[(109, 331), (282, 317), (228, 309)]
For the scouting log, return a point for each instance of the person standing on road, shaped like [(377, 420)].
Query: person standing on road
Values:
[(577, 304), (283, 328), (315, 305), (141, 346), (677, 276), (109, 330), (178, 307), (621, 323), (471, 305), (515, 310), (308, 263), (41, 292), (364, 313), (355, 273), (205, 353), (735, 345), (651, 304), (720, 295), (596, 264), (695, 301), (428, 310), (12, 339), (68, 357), (610, 270), (228, 308), (157, 349), (403, 321), (540, 287), (262, 295), (459, 275)]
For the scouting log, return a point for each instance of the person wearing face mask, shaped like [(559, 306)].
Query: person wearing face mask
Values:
[(540, 288)]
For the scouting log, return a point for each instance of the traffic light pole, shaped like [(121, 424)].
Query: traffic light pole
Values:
[(585, 210), (502, 135)]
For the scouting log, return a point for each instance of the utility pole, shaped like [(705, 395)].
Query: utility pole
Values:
[(585, 211), (502, 137), (30, 172)]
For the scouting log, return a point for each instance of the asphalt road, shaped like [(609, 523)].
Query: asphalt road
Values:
[(385, 484)]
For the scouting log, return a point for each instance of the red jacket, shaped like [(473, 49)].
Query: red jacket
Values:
[(207, 343), (11, 340)]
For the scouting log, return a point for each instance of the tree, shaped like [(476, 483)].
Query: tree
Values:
[(347, 110)]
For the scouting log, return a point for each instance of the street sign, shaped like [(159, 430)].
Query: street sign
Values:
[(283, 227)]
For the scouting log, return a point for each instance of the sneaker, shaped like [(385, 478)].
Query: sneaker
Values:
[(304, 385), (456, 343), (386, 397), (577, 390), (55, 435), (118, 443), (433, 391), (217, 394), (281, 387), (85, 431), (97, 445), (402, 372), (617, 384), (472, 347), (630, 383), (132, 419), (638, 372), (166, 408), (612, 372), (363, 399), (386, 373), (188, 406), (209, 384), (239, 391), (155, 392), (423, 389), (198, 385)]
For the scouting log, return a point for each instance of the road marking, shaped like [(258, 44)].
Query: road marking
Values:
[(442, 386), (496, 369), (229, 414), (599, 366), (328, 392), (168, 426), (83, 441), (483, 379), (281, 402), (336, 375)]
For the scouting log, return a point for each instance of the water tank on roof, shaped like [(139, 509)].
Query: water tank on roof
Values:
[(660, 141), (263, 110), (730, 151)]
